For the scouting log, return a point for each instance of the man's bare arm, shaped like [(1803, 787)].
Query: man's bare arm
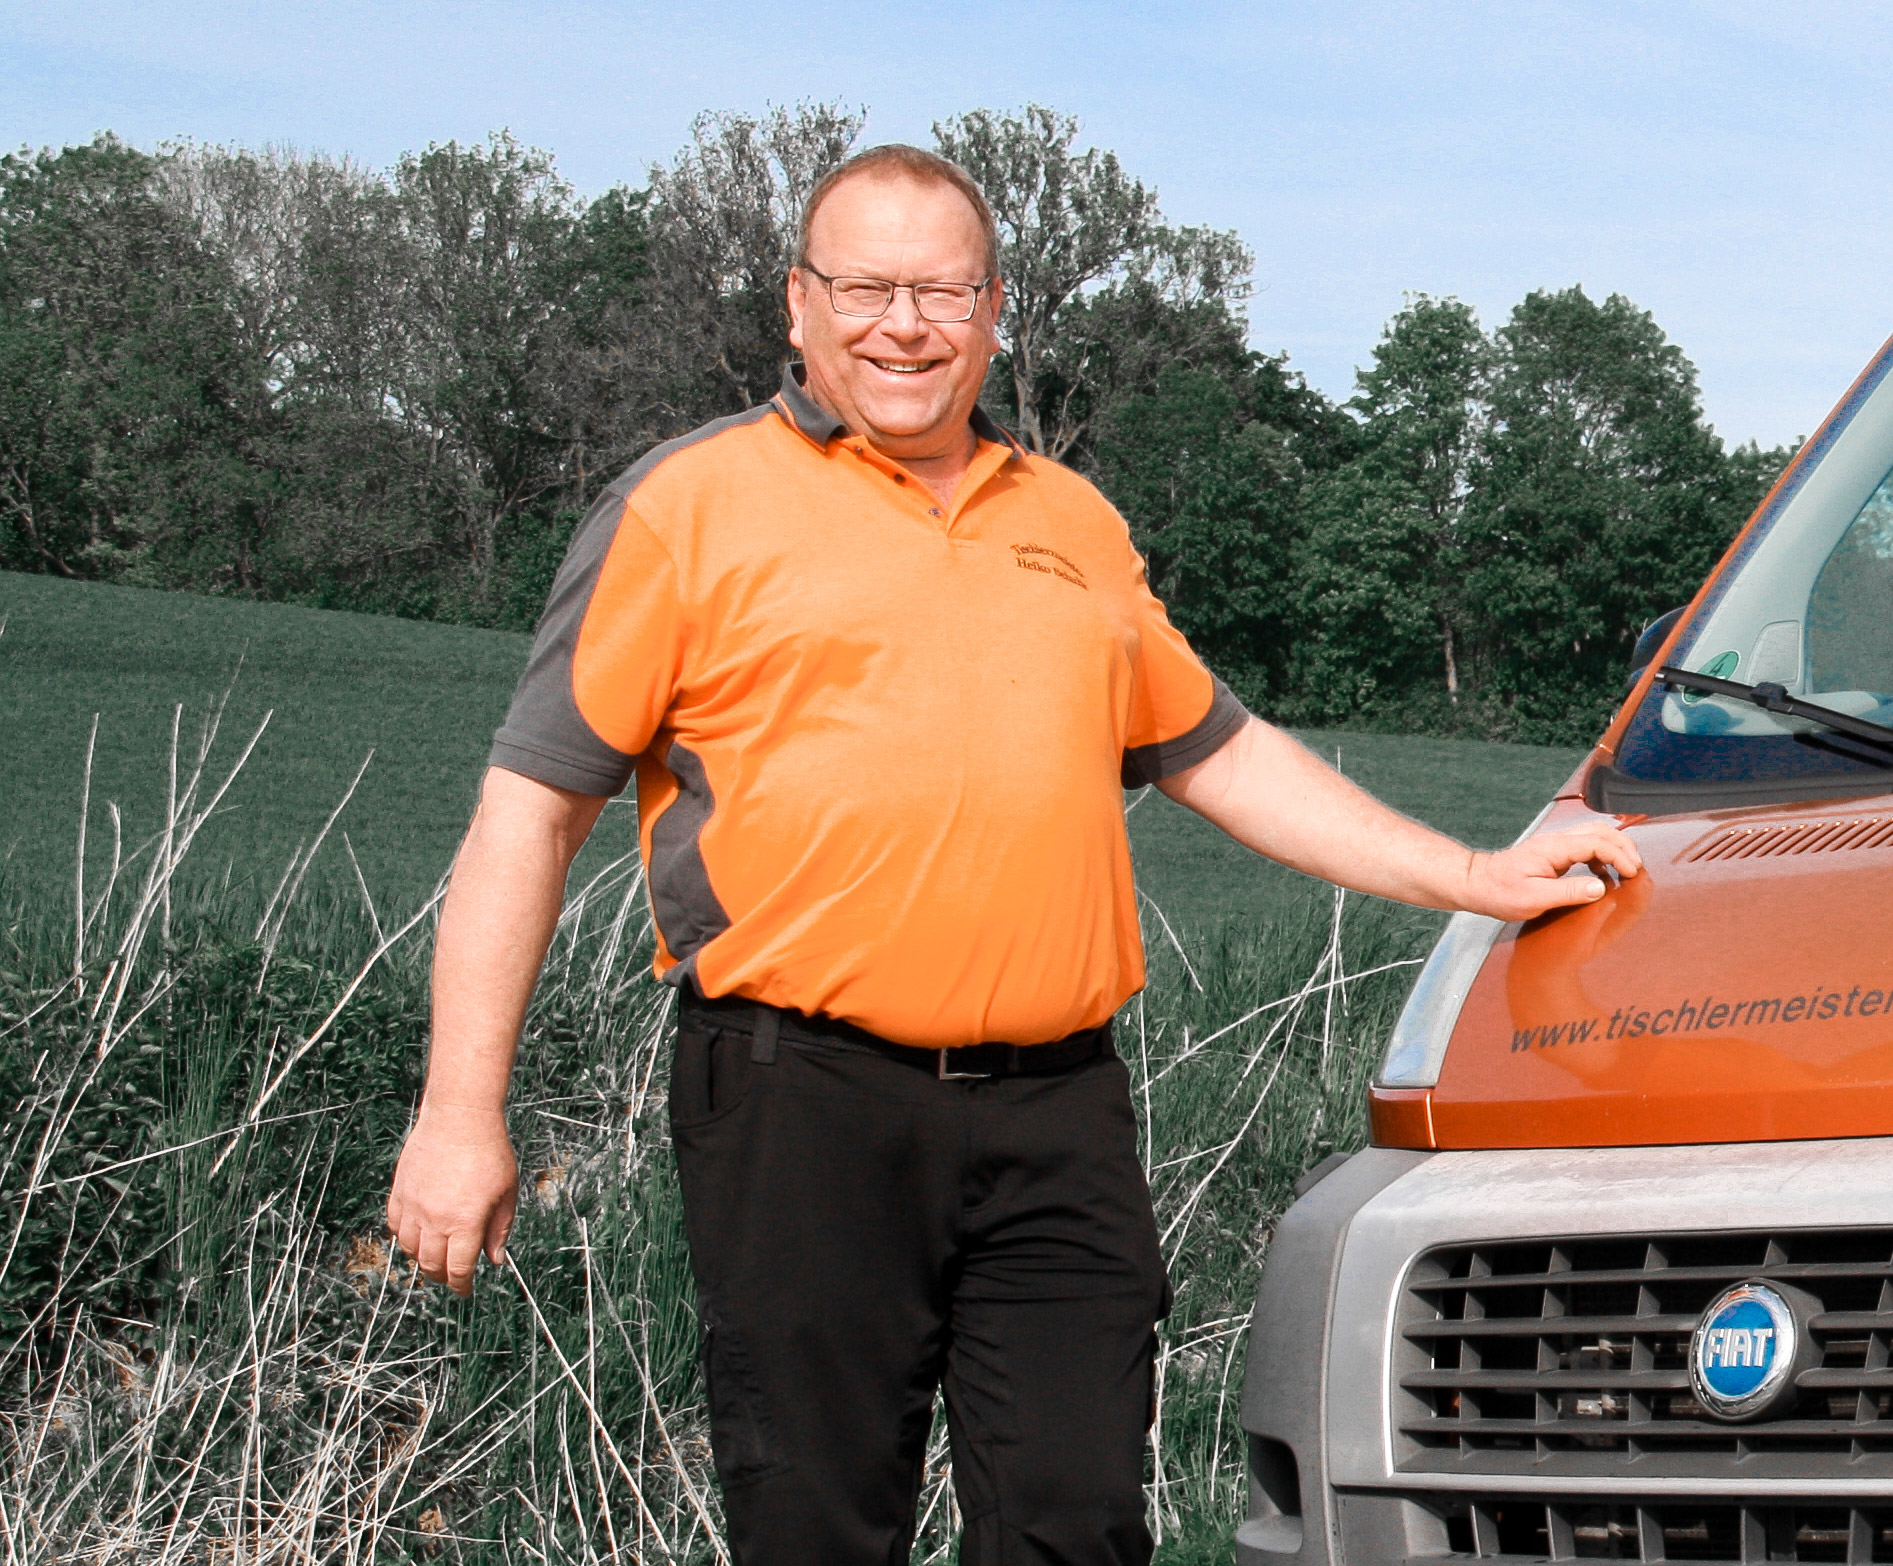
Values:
[(1271, 794), (457, 1184)]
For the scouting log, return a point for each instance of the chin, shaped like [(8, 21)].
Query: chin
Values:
[(905, 420)]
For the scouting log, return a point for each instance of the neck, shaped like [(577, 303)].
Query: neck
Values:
[(941, 473)]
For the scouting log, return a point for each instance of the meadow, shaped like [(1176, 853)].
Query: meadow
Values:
[(424, 699), (210, 1042)]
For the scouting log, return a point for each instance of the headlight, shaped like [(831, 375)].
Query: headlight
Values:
[(1418, 1046)]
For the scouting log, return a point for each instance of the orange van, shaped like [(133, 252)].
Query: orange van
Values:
[(1615, 1280)]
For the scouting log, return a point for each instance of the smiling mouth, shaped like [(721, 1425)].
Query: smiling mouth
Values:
[(905, 366)]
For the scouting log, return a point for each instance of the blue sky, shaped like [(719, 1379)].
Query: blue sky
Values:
[(1726, 165)]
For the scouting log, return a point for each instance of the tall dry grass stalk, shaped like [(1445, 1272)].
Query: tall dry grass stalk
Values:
[(209, 1354)]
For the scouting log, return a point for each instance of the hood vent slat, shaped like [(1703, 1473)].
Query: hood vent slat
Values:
[(1832, 836)]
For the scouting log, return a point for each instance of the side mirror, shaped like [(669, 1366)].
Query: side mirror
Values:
[(1650, 642)]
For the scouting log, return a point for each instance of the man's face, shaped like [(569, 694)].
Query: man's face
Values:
[(907, 383)]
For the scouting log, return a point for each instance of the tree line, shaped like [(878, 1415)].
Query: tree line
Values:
[(282, 375)]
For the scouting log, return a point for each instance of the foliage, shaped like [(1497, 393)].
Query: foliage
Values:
[(1379, 567), (1211, 500), (270, 375), (122, 427), (1520, 507), (1601, 501)]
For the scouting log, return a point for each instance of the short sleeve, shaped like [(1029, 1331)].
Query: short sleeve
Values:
[(1180, 713), (604, 659)]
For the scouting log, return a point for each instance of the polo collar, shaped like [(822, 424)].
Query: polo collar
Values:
[(986, 427), (815, 422), (819, 426)]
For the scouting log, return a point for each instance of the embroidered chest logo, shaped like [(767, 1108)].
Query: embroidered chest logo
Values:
[(1036, 557)]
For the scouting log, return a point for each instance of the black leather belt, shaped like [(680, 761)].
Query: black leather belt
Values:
[(765, 1025)]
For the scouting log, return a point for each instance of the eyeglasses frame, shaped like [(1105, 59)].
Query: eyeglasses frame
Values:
[(896, 288)]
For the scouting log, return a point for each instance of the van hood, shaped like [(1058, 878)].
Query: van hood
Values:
[(1740, 989)]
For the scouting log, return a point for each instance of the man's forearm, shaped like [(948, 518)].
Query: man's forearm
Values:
[(1273, 795), (1270, 794), (456, 1185), (501, 910)]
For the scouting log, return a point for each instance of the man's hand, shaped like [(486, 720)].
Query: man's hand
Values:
[(1271, 794), (456, 1189), (1529, 878)]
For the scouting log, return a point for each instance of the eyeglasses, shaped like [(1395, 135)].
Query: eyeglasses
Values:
[(871, 296)]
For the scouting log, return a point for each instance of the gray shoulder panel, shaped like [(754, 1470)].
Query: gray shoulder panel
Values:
[(1149, 763), (545, 736)]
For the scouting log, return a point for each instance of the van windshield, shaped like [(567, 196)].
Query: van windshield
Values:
[(1807, 604)]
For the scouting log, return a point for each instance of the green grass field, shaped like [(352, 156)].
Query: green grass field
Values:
[(425, 700), (200, 1106)]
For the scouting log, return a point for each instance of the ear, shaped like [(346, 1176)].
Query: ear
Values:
[(798, 305), (995, 306)]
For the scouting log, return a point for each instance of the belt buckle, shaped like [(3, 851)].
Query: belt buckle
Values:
[(940, 1070)]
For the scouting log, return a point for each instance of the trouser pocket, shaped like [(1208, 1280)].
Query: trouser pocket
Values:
[(710, 1076), (743, 1435)]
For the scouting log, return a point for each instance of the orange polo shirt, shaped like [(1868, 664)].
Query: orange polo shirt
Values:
[(879, 741)]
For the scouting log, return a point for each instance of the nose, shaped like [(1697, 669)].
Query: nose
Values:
[(903, 318)]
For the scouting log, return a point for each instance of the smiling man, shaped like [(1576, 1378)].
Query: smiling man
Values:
[(880, 676)]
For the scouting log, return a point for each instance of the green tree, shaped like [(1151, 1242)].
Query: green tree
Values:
[(1211, 496), (1600, 499), (309, 250), (485, 231), (1174, 304), (1381, 564), (122, 439)]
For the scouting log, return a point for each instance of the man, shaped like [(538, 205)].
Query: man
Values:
[(880, 675)]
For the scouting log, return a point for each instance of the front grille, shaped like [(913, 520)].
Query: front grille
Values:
[(1511, 1529), (1570, 1357), (1831, 836)]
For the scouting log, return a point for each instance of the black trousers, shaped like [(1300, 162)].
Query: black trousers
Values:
[(862, 1233)]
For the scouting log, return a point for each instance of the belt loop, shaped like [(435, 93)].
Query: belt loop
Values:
[(762, 1049)]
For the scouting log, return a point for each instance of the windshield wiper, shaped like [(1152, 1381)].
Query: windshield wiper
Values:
[(1771, 697)]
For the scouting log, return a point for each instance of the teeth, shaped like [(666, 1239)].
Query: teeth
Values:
[(902, 369)]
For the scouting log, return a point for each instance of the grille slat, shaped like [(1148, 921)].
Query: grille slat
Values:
[(1789, 1272), (1509, 1326), (1645, 1430), (1825, 1380), (1525, 1380), (1851, 1321), (1511, 1529), (1570, 1357)]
